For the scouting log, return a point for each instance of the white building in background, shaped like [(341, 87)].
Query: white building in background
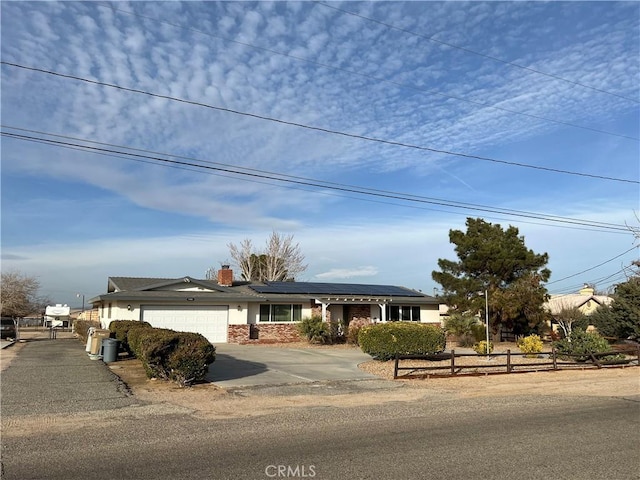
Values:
[(57, 315)]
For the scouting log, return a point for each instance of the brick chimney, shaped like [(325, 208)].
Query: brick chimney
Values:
[(225, 276)]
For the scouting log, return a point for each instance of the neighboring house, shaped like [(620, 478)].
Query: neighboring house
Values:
[(244, 312), (585, 301)]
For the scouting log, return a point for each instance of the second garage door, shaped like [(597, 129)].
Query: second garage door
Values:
[(210, 321)]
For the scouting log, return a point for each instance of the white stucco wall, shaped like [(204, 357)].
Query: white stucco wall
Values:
[(241, 313), (430, 314)]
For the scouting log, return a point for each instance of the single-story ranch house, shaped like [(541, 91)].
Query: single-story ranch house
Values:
[(245, 312)]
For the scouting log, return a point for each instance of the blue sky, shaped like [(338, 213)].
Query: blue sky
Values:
[(550, 85)]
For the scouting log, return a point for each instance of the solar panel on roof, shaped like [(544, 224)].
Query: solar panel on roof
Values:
[(311, 288)]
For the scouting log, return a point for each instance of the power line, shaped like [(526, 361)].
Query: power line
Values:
[(593, 268), (592, 228), (327, 185), (370, 77), (294, 177), (319, 129), (612, 279), (474, 52)]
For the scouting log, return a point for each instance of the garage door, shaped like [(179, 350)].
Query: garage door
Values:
[(210, 321)]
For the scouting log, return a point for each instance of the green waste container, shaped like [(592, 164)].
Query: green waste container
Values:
[(109, 350)]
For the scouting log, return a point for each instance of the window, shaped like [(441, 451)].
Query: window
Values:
[(109, 311), (402, 313), (280, 313)]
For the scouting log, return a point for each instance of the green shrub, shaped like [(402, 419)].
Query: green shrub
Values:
[(189, 361), (153, 348), (580, 344), (316, 331), (479, 332), (531, 344), (353, 330), (81, 327), (121, 329), (384, 340), (181, 357), (134, 337), (466, 328), (481, 347)]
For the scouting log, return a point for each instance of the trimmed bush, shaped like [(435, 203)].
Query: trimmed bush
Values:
[(189, 361), (384, 340), (181, 357), (134, 337), (153, 347), (531, 344), (121, 329), (481, 347), (580, 344), (81, 327)]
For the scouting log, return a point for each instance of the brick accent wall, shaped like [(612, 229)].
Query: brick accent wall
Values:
[(267, 333), (316, 311), (359, 312)]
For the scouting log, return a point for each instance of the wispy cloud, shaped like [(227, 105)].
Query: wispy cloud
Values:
[(342, 273), (306, 63)]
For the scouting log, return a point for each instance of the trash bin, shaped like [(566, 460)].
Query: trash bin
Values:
[(96, 340), (89, 337), (109, 350)]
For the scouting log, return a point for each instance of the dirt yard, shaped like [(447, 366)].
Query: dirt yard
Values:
[(210, 401)]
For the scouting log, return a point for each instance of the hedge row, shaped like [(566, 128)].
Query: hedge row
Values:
[(177, 356), (384, 340), (121, 329), (81, 327)]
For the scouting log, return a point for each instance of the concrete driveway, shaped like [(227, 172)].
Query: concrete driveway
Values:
[(253, 365)]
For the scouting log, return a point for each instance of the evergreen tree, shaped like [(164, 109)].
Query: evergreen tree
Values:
[(622, 318), (495, 260)]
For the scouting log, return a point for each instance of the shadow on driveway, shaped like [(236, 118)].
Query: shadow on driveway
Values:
[(227, 367), (253, 365)]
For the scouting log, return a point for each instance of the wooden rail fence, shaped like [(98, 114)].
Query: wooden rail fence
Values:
[(555, 362)]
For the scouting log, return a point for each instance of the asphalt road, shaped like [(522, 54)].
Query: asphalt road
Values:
[(489, 438), (56, 377)]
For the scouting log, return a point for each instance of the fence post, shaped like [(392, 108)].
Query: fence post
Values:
[(453, 362), (553, 355), (395, 368), (508, 360)]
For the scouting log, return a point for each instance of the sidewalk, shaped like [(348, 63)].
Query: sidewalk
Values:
[(46, 376)]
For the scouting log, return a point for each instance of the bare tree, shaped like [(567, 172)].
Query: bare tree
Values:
[(244, 258), (280, 260), (18, 295), (566, 317)]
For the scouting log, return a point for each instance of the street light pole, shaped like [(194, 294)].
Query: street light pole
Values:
[(78, 295), (486, 318)]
